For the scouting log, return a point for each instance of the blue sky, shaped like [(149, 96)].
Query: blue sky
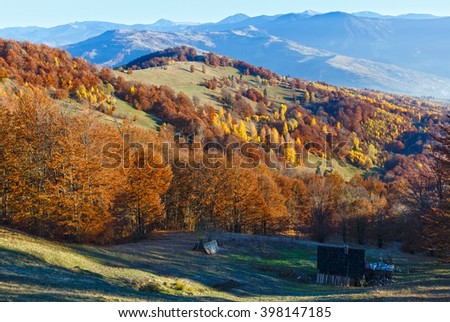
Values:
[(54, 12)]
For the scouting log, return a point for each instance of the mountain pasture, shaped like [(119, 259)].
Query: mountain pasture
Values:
[(164, 268)]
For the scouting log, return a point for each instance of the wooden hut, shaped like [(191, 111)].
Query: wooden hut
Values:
[(342, 266)]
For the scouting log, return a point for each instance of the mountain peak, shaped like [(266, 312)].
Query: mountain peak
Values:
[(335, 16), (164, 23), (234, 18), (310, 12), (367, 14), (292, 17)]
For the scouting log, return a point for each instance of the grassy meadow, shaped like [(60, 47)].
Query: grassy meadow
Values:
[(164, 268)]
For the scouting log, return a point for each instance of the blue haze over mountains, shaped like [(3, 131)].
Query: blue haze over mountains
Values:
[(405, 54)]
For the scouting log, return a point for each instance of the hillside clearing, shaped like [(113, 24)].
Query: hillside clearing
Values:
[(180, 79), (164, 268)]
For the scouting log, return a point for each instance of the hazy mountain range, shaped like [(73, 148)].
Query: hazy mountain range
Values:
[(406, 54), (78, 31)]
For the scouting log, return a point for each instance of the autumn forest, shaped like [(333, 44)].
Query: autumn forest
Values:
[(72, 171)]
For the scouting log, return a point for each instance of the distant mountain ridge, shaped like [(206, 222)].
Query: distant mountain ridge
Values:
[(286, 57), (74, 32), (406, 53), (371, 14), (79, 31)]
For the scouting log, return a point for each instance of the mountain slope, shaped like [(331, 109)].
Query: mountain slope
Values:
[(408, 43), (117, 47), (236, 85), (256, 46)]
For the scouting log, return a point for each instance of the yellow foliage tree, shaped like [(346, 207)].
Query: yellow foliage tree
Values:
[(290, 153), (307, 97), (285, 128), (274, 136), (221, 112), (242, 131), (356, 143), (283, 109), (225, 128)]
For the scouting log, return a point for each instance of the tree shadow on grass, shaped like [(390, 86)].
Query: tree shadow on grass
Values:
[(31, 279)]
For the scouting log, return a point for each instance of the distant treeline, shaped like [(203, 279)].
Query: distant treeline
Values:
[(185, 53)]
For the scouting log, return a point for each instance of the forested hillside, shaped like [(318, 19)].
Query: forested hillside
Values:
[(253, 159)]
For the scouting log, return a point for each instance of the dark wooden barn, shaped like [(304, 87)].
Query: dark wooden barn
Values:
[(340, 265)]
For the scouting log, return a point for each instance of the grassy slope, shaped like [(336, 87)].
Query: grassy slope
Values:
[(179, 77), (123, 110), (347, 172), (146, 120), (164, 268)]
